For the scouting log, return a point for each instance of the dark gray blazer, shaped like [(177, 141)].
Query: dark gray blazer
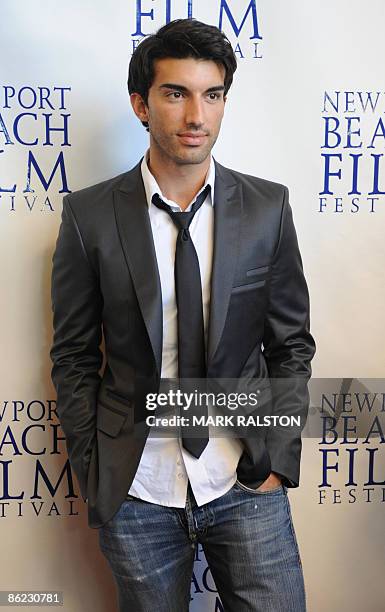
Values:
[(105, 283)]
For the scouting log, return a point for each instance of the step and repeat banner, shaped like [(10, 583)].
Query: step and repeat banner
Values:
[(307, 109)]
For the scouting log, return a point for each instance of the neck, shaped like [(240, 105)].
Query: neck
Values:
[(178, 182)]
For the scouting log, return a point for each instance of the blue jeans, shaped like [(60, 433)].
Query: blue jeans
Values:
[(249, 543)]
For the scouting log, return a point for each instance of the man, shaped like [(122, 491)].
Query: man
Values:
[(191, 270)]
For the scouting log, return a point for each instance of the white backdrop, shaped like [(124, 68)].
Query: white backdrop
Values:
[(64, 66)]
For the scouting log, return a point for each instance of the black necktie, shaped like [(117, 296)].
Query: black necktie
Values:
[(191, 340)]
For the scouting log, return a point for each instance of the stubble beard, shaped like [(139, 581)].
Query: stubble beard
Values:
[(180, 154)]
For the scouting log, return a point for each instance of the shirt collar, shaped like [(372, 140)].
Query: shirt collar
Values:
[(151, 186)]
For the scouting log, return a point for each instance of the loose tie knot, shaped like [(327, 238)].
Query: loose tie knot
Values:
[(182, 220)]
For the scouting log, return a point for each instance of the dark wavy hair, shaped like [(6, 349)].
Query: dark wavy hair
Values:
[(181, 38)]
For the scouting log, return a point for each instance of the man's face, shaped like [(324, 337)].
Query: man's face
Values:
[(185, 108)]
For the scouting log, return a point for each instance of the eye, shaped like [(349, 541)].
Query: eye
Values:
[(214, 96), (176, 95)]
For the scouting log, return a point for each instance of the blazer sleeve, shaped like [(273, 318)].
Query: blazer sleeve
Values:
[(288, 348), (75, 352)]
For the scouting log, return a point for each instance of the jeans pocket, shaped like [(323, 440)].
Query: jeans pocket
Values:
[(256, 491), (112, 524)]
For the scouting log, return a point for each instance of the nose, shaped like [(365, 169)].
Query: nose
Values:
[(194, 112)]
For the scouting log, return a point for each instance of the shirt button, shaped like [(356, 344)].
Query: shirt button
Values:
[(178, 462), (180, 475)]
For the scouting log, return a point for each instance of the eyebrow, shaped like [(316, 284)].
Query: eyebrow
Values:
[(185, 89)]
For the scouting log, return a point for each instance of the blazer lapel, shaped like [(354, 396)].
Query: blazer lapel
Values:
[(227, 215), (134, 227)]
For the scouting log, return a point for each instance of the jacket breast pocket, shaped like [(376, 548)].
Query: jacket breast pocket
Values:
[(252, 278), (248, 286)]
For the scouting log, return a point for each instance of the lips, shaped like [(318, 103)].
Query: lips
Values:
[(191, 138)]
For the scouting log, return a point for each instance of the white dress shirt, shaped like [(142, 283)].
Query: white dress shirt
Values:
[(165, 466)]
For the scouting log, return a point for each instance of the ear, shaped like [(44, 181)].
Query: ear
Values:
[(224, 99), (139, 106)]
